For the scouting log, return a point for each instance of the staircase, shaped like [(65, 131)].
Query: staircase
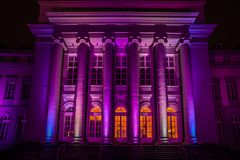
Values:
[(121, 152), (118, 152)]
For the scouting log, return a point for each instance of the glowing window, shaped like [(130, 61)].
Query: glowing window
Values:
[(120, 125), (145, 122), (96, 109), (145, 109), (95, 124), (121, 110), (172, 123)]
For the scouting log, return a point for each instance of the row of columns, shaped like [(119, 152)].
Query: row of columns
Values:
[(133, 81)]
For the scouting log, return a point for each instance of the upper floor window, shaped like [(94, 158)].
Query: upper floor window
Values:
[(216, 89), (10, 89), (121, 70), (170, 71), (232, 89), (4, 124), (26, 86), (72, 71), (97, 65), (145, 70)]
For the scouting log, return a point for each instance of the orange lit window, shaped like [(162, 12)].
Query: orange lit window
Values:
[(95, 122), (145, 122), (120, 110), (96, 109), (120, 124), (172, 122)]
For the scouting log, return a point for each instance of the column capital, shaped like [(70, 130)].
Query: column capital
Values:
[(59, 40), (108, 39), (182, 41), (160, 39), (82, 39), (134, 39)]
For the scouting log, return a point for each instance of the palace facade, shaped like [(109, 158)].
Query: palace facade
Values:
[(136, 72)]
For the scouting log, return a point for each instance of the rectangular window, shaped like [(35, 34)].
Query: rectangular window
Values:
[(170, 75), (26, 86), (69, 125), (121, 70), (72, 71), (232, 89), (10, 89), (20, 127), (145, 70), (4, 124), (97, 73), (216, 89)]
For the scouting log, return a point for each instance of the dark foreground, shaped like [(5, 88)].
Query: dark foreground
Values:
[(133, 152)]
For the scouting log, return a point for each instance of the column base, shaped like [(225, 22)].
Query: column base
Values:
[(134, 140), (192, 140), (107, 140), (78, 140), (162, 140), (49, 140)]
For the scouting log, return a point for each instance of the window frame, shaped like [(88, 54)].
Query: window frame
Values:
[(10, 95)]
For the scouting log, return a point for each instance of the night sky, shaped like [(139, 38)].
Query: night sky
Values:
[(15, 15)]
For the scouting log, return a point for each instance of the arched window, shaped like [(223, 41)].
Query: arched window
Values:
[(172, 123), (4, 124), (95, 124), (145, 123), (69, 122), (120, 125)]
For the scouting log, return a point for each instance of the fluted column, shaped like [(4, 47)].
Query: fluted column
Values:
[(107, 88), (187, 92), (81, 89), (161, 90), (133, 83), (54, 89)]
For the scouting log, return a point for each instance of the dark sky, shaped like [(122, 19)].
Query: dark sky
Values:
[(15, 15)]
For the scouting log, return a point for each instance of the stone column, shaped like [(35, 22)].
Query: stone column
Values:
[(81, 89), (161, 89), (107, 89), (54, 90), (133, 84), (187, 93)]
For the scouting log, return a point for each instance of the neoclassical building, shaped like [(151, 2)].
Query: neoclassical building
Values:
[(126, 72)]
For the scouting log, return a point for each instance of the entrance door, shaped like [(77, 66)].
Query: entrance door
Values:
[(68, 125), (95, 125), (172, 124), (145, 124), (120, 125)]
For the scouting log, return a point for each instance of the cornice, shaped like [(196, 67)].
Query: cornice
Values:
[(41, 30), (121, 18), (125, 4), (201, 30)]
